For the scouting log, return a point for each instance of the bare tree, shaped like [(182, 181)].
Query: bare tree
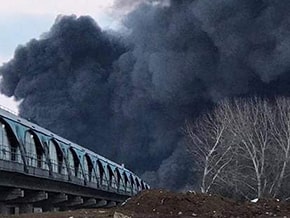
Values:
[(250, 128), (206, 144), (281, 137), (244, 144)]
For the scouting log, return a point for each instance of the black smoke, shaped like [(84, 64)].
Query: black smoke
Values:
[(128, 97), (62, 79)]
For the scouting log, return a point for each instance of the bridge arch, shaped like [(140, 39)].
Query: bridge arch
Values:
[(138, 185), (126, 181), (9, 145), (101, 174), (35, 154), (74, 163), (133, 185), (111, 176), (89, 171), (56, 157), (119, 179), (142, 185)]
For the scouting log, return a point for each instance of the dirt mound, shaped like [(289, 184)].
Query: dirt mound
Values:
[(160, 203)]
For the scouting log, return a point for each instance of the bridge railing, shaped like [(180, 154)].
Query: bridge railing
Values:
[(58, 167), (9, 153), (39, 166), (36, 161)]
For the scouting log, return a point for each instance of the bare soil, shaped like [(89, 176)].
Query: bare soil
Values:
[(161, 203)]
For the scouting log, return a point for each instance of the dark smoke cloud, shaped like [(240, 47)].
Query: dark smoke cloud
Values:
[(128, 5), (63, 80), (189, 54), (130, 99)]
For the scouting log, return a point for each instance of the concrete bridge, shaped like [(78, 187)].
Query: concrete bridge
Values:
[(41, 171)]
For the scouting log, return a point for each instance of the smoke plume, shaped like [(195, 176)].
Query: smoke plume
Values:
[(127, 98), (63, 80)]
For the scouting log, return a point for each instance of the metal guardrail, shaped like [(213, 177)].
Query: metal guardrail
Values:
[(7, 154), (35, 163)]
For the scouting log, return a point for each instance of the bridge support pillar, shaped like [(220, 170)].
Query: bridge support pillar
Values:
[(55, 198), (89, 202), (4, 210), (10, 194), (73, 201), (101, 203), (47, 207), (25, 208), (111, 204)]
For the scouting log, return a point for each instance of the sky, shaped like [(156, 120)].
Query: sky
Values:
[(22, 20)]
